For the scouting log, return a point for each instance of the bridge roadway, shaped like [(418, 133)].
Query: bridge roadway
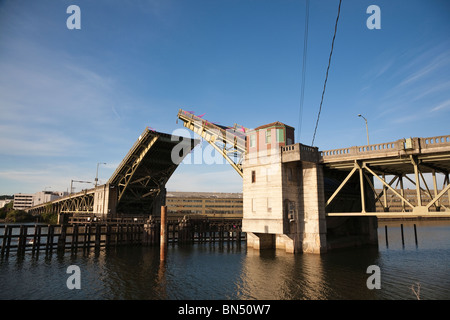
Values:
[(136, 187), (404, 160)]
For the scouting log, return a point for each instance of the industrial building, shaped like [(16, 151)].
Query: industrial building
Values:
[(213, 204)]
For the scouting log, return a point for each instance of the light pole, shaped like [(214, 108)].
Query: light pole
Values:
[(367, 128), (72, 181), (96, 175)]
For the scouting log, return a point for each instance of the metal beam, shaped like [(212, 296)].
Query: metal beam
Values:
[(216, 135), (126, 179), (386, 214), (384, 182), (341, 186), (416, 173), (447, 188), (361, 185)]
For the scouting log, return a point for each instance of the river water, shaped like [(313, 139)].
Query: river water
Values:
[(231, 272)]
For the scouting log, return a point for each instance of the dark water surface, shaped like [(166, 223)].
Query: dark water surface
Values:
[(213, 271)]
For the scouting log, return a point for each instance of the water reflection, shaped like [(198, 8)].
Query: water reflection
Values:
[(213, 271), (281, 276)]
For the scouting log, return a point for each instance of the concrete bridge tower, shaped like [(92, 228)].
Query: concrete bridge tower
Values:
[(284, 205)]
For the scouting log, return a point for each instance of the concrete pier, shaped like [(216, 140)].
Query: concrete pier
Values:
[(284, 197)]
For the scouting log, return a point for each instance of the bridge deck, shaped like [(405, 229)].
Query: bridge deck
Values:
[(434, 150), (136, 183)]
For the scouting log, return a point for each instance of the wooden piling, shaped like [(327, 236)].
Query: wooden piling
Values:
[(386, 235), (8, 243), (86, 237), (98, 235), (108, 235), (74, 244), (403, 239), (415, 234), (62, 238), (20, 240), (163, 236), (49, 239), (37, 242), (5, 234)]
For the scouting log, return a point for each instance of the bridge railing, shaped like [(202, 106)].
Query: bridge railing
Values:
[(433, 142), (388, 147), (358, 150), (298, 151)]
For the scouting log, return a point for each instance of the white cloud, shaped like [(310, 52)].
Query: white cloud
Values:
[(50, 105), (441, 106), (426, 65)]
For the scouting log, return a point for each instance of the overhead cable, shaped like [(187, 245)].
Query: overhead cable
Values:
[(305, 49), (326, 76)]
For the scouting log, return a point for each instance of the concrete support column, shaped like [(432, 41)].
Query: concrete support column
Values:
[(314, 231), (260, 241)]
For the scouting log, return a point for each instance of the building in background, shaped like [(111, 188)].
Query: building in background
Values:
[(46, 196), (205, 203), (23, 201)]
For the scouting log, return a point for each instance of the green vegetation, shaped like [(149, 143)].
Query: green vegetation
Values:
[(50, 218), (19, 216), (8, 214)]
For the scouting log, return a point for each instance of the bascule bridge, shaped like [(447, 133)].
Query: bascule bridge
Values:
[(300, 199), (137, 186)]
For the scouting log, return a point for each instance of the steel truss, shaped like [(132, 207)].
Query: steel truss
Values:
[(78, 203), (400, 169), (228, 141)]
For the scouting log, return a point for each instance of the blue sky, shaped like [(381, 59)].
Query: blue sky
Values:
[(72, 98)]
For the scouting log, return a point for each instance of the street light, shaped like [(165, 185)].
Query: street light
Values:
[(72, 181), (367, 128), (96, 175)]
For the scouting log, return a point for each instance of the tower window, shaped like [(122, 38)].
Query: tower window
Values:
[(268, 136)]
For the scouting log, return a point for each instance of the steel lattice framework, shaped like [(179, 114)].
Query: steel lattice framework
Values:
[(138, 184), (404, 160), (230, 142), (143, 173)]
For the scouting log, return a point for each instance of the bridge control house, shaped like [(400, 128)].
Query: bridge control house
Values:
[(284, 196)]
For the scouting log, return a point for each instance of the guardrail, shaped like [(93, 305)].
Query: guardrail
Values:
[(388, 147), (435, 141)]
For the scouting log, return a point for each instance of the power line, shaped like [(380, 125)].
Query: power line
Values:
[(305, 49), (326, 76)]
